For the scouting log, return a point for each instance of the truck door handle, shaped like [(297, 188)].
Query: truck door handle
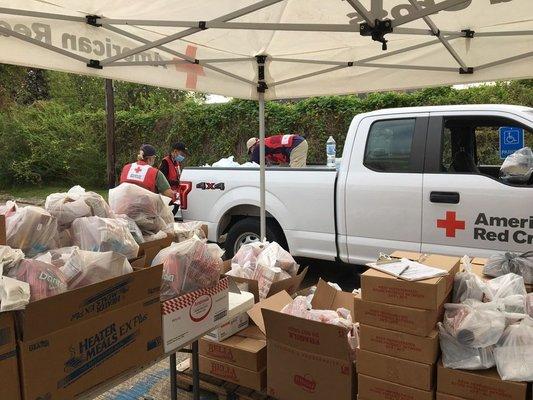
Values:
[(445, 197)]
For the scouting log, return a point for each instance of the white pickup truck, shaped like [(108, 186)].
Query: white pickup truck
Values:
[(424, 179)]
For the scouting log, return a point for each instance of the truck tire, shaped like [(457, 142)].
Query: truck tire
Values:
[(247, 231)]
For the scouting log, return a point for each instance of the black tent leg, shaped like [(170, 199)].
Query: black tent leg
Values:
[(195, 372), (173, 378)]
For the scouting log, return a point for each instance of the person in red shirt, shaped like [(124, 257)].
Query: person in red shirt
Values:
[(172, 164), (280, 150), (144, 174)]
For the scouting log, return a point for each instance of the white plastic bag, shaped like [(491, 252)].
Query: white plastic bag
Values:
[(104, 234), (76, 203), (45, 279), (517, 167), (31, 229), (467, 285), (57, 257), (226, 163), (9, 258), (514, 352), (474, 324), (186, 230), (147, 209), (504, 263), (459, 356), (85, 268), (188, 266), (505, 286), (14, 294)]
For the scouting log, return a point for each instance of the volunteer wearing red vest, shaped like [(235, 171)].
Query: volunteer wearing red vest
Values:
[(280, 149), (172, 164), (143, 174)]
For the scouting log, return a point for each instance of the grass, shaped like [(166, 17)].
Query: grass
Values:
[(40, 192)]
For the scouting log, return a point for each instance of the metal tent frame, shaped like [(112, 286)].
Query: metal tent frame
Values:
[(376, 29)]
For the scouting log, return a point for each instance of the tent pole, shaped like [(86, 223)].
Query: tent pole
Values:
[(262, 175), (110, 132)]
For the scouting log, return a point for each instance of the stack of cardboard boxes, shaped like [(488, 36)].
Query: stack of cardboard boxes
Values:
[(399, 346), (310, 360), (242, 358)]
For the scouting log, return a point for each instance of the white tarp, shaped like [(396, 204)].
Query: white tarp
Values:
[(304, 37)]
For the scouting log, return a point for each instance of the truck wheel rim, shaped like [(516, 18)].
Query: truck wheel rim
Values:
[(245, 238)]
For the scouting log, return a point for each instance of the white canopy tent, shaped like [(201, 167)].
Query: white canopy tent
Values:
[(272, 49)]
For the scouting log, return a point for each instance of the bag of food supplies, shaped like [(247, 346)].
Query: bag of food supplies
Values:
[(85, 268), (45, 279), (104, 234), (517, 167), (188, 266), (513, 353), (467, 285), (456, 355), (76, 203), (147, 209), (32, 230), (504, 263)]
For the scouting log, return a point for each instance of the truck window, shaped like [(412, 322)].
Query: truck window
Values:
[(388, 147), (472, 145)]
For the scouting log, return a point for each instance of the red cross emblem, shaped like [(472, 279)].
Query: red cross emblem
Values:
[(451, 224), (138, 169), (193, 70)]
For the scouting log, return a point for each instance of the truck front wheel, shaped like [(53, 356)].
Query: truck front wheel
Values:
[(246, 231)]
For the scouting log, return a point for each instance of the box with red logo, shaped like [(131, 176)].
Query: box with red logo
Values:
[(193, 314), (427, 294), (310, 360), (415, 321), (255, 380)]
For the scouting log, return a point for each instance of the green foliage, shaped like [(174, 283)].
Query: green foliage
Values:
[(62, 140)]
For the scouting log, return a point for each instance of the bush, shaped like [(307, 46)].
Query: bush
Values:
[(50, 142)]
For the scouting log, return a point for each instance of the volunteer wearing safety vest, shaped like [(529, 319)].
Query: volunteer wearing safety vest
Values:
[(280, 149), (172, 163), (143, 174)]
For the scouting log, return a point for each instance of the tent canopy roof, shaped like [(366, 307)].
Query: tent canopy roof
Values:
[(311, 47)]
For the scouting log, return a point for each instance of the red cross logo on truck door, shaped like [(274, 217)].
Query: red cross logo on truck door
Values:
[(193, 70), (451, 224)]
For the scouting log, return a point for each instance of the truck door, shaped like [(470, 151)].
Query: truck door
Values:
[(383, 198), (468, 209)]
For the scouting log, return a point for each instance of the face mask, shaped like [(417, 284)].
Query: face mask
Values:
[(179, 158)]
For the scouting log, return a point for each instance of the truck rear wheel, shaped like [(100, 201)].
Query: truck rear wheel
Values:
[(246, 231)]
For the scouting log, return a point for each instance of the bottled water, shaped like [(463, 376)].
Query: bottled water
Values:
[(330, 151)]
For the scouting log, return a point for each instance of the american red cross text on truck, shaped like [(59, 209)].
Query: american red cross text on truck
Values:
[(422, 179)]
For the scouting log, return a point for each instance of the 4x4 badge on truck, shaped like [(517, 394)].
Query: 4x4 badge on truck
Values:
[(210, 186)]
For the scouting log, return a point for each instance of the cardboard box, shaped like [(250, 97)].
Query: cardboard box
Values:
[(377, 389), (428, 294), (230, 328), (151, 248), (442, 396), (310, 360), (191, 315), (9, 371), (392, 369), (479, 385), (244, 352), (397, 318), (291, 285), (57, 312), (422, 349), (231, 373), (68, 362)]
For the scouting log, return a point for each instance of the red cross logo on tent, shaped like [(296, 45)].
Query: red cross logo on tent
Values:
[(138, 169), (193, 70), (451, 224)]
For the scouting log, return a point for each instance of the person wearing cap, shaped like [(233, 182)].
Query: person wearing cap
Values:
[(172, 164), (142, 173), (280, 150)]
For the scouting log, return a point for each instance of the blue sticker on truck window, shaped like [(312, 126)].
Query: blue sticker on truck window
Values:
[(511, 140)]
